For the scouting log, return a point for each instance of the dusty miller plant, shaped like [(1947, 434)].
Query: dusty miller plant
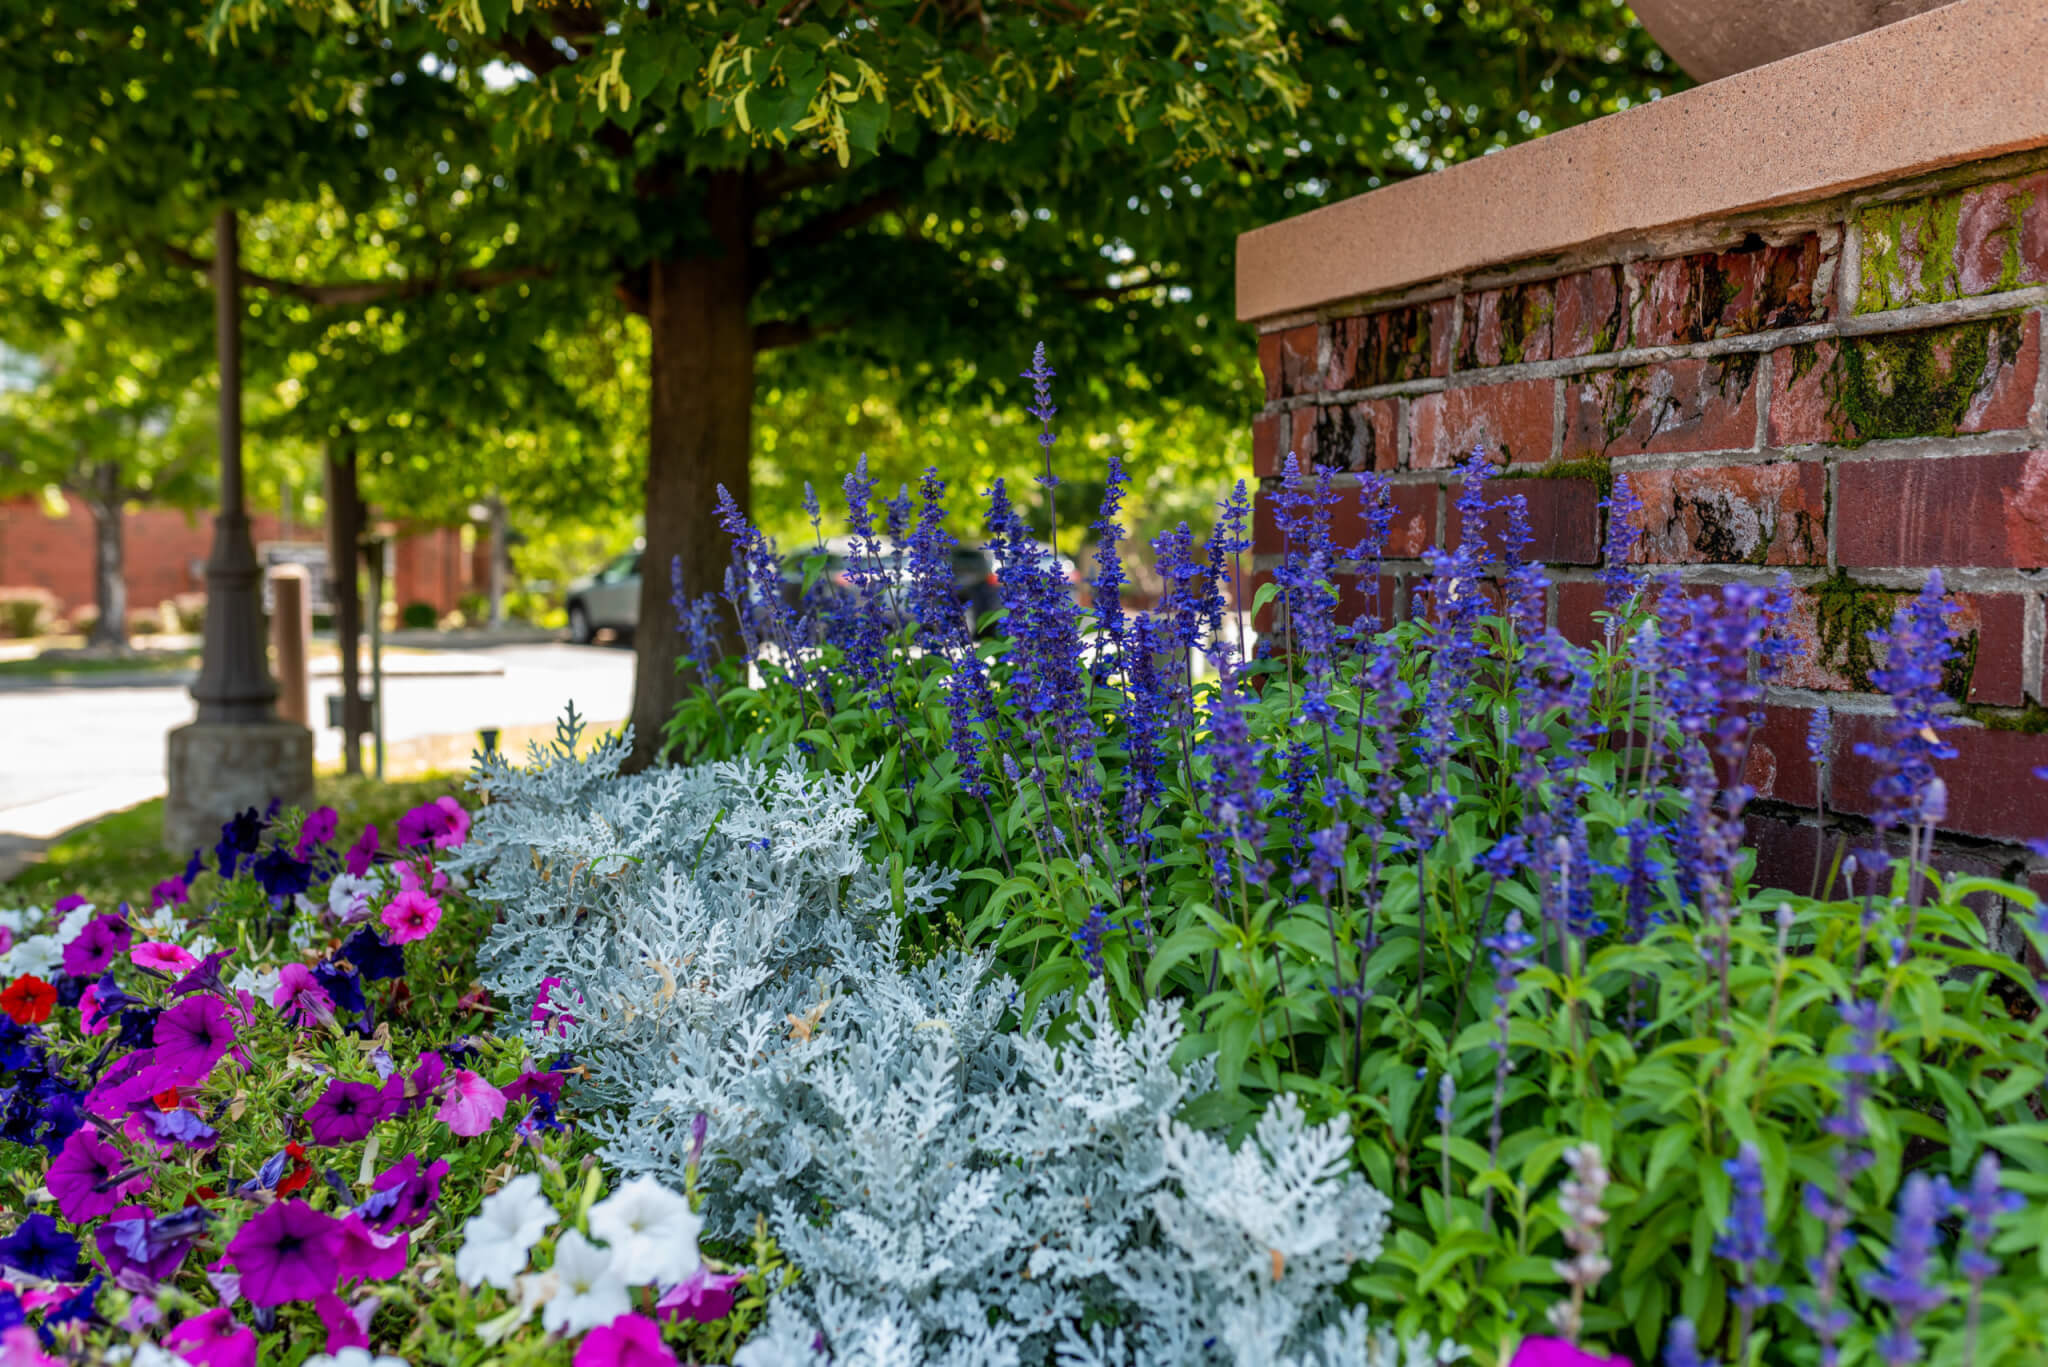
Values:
[(957, 1185)]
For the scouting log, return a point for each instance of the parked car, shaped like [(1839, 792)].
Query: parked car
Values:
[(608, 599)]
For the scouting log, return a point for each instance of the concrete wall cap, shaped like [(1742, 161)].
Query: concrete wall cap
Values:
[(1959, 84)]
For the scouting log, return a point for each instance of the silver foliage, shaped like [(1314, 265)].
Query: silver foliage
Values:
[(957, 1186)]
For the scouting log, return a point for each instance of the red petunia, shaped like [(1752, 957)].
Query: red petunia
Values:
[(29, 1000)]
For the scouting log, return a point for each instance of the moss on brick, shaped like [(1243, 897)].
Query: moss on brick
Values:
[(2013, 262), (2031, 720), (1593, 469), (1932, 226), (1916, 384), (1846, 614)]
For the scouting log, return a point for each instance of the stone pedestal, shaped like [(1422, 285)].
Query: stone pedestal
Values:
[(217, 769)]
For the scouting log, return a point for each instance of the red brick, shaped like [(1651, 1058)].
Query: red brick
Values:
[(1564, 519), (1973, 377), (1512, 421), (1963, 510), (1592, 316), (1355, 436), (1443, 315), (1992, 791), (1990, 634), (1789, 855), (1413, 529), (1733, 515), (166, 549), (1986, 630), (1685, 405), (1726, 294), (1387, 348), (1779, 768), (1269, 363), (1269, 438), (1577, 601), (2002, 236), (1507, 326), (1295, 362), (1365, 596)]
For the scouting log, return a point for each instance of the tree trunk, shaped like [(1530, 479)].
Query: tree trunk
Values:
[(700, 436), (109, 571), (344, 559)]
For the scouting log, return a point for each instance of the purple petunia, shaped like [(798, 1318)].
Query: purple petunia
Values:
[(40, 1249), (346, 1112), (96, 947), (286, 1252), (441, 824), (89, 1177), (192, 1036)]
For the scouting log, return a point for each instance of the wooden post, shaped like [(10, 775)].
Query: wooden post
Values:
[(344, 561), (291, 632)]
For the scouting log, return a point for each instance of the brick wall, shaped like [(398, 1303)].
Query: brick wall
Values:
[(166, 551), (1848, 391), (430, 566)]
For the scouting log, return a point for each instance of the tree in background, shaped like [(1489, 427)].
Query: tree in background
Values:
[(923, 188)]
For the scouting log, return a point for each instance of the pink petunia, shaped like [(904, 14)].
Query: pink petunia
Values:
[(411, 915), (550, 1018), (472, 1105), (628, 1341), (19, 1347), (83, 1177), (213, 1340), (1548, 1352), (163, 957), (89, 1018)]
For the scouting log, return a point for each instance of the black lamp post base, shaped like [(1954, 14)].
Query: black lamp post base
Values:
[(216, 769)]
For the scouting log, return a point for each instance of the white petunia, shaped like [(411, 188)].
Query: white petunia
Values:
[(353, 1357), (588, 1291), (257, 982), (348, 897), (38, 954), (74, 923), (652, 1231), (504, 1230)]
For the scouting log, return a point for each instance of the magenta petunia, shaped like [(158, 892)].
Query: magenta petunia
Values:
[(411, 915), (70, 901), (346, 1112), (550, 1018), (93, 950), (441, 823), (287, 1252), (83, 1177), (214, 1340), (172, 891), (369, 1255), (418, 1191), (89, 1018), (704, 1296), (472, 1105), (417, 875), (1548, 1352), (363, 853), (628, 1341), (163, 957), (319, 828), (345, 1328), (300, 998), (192, 1036)]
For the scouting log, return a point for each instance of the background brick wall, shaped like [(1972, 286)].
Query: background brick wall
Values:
[(1850, 392)]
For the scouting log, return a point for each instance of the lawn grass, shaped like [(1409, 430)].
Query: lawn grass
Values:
[(66, 666), (120, 857)]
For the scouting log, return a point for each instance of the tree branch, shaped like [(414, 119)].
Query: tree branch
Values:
[(1110, 292), (788, 332), (353, 293), (783, 180), (825, 227)]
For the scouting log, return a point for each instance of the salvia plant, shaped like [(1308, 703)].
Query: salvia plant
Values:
[(1429, 865)]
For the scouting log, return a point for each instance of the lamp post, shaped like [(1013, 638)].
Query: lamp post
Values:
[(238, 753)]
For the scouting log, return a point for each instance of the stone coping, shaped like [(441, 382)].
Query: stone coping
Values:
[(1960, 84)]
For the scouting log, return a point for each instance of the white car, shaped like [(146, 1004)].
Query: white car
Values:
[(608, 599)]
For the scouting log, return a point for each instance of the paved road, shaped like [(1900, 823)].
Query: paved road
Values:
[(73, 752)]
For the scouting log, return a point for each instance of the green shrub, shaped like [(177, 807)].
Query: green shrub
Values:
[(25, 612), (418, 616)]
